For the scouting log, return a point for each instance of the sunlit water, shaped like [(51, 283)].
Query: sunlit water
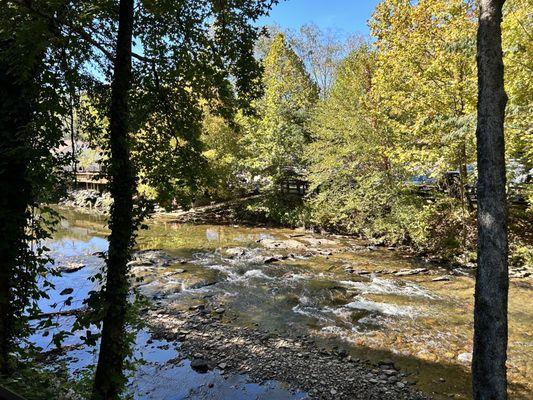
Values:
[(425, 326)]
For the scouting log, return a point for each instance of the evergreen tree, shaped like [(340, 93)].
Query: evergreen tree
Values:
[(204, 54), (275, 139)]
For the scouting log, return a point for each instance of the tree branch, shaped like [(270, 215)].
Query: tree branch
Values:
[(77, 30)]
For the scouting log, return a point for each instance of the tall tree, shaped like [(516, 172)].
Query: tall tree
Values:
[(426, 53), (109, 376), (276, 137), (16, 198), (193, 53), (492, 281), (350, 163), (321, 51), (35, 59)]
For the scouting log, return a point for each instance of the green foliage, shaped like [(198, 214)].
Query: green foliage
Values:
[(36, 73), (405, 107), (275, 138), (222, 151), (518, 59), (389, 118), (273, 208)]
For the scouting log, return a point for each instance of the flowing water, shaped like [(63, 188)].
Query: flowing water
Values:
[(425, 326)]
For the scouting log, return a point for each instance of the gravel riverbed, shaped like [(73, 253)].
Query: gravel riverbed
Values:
[(212, 342)]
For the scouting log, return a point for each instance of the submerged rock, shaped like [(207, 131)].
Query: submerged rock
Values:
[(200, 365), (71, 267)]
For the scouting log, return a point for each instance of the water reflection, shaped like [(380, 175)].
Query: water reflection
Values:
[(159, 371), (425, 325)]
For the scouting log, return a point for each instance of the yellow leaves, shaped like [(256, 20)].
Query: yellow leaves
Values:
[(517, 41), (425, 70), (211, 154), (517, 30)]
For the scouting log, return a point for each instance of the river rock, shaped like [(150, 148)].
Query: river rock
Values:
[(390, 372), (71, 267), (386, 362), (465, 358), (66, 291), (139, 263), (289, 244), (272, 259), (316, 242), (360, 272), (90, 199), (407, 272), (200, 365), (235, 252), (441, 278)]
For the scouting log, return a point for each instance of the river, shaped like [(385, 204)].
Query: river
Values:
[(367, 300)]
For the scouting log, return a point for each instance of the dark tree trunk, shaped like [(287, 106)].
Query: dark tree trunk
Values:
[(109, 379), (73, 140), (15, 197), (492, 282)]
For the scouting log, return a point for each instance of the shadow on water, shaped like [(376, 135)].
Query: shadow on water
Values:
[(422, 325), (160, 373)]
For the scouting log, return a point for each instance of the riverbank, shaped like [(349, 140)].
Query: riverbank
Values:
[(212, 343), (235, 212)]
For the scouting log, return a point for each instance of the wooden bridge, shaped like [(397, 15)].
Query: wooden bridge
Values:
[(294, 186), (90, 180)]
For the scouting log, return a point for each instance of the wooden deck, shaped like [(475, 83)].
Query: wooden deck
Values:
[(90, 180)]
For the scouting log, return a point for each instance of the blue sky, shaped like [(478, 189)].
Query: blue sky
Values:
[(345, 16)]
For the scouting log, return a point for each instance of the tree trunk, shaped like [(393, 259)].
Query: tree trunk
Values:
[(492, 282), (15, 196), (109, 379)]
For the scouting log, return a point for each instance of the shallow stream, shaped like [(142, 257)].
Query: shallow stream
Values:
[(341, 291)]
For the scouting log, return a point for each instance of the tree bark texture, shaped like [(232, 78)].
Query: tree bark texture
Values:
[(109, 379), (492, 282)]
